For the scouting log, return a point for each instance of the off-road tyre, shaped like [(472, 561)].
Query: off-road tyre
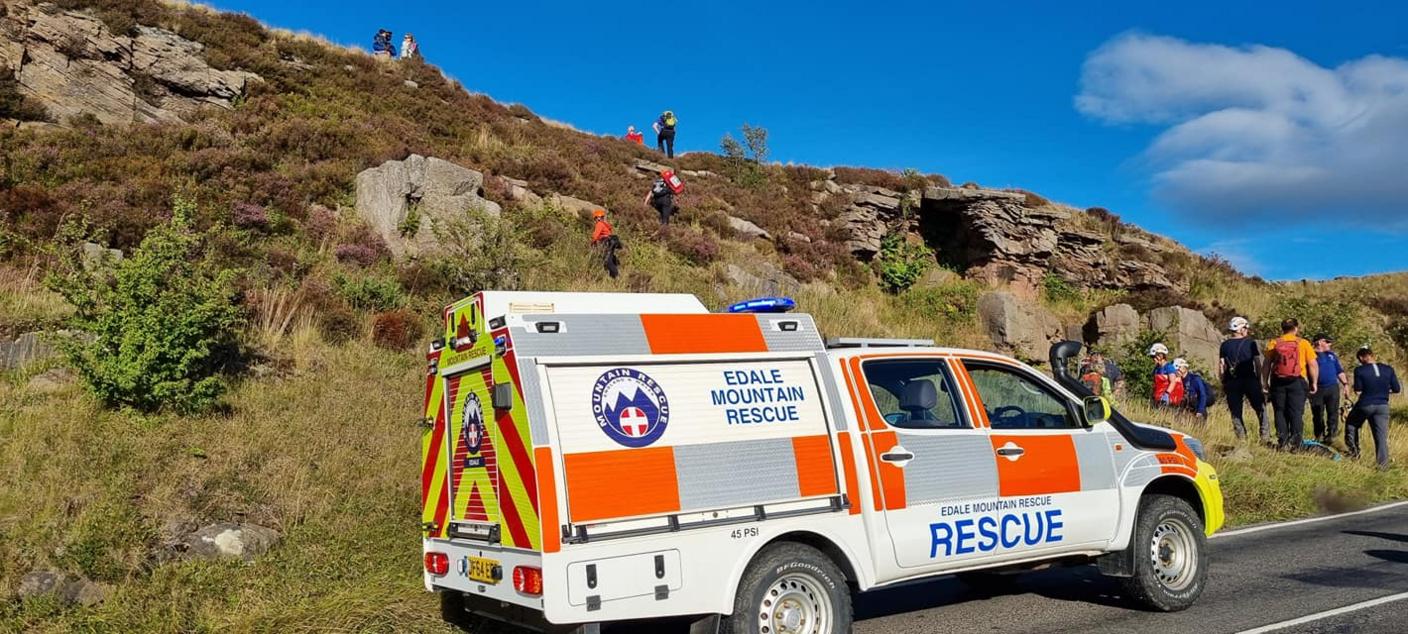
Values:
[(786, 580), (1170, 555)]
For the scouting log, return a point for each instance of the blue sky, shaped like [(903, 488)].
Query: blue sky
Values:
[(1277, 137)]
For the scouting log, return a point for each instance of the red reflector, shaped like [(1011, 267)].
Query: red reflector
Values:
[(528, 580), (437, 564)]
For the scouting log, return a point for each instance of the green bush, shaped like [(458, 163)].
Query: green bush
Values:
[(1137, 366), (953, 302), (155, 332), (370, 293), (1056, 290), (1347, 322), (901, 263), (480, 253)]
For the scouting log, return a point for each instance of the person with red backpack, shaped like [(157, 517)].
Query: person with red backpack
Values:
[(1289, 374), (662, 195), (1167, 391)]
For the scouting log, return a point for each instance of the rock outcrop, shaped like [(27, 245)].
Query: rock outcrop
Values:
[(70, 62), (1022, 329), (26, 349), (404, 200), (1113, 326), (1190, 334), (768, 280)]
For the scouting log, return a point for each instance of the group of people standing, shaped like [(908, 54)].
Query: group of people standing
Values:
[(664, 134), (1289, 373)]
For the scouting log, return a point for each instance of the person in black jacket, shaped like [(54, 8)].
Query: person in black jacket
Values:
[(1374, 382), (1237, 364), (665, 133)]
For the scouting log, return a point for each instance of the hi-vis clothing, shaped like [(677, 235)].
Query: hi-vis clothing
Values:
[(639, 451)]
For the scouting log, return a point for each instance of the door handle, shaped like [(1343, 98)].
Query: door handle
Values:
[(1011, 451), (897, 456)]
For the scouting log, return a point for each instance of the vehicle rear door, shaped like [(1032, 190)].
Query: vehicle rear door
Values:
[(1056, 478), (931, 457), (472, 442)]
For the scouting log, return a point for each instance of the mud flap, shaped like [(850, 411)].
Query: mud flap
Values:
[(1117, 564), (707, 624)]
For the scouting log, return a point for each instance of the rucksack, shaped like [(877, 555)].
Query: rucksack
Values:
[(669, 121), (1094, 381), (1287, 362), (672, 181)]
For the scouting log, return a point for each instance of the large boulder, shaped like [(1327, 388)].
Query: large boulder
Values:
[(73, 64), (1190, 334), (747, 229), (403, 201), (1022, 329), (1113, 326), (872, 212)]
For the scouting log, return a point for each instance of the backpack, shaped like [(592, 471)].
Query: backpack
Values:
[(1094, 381), (1287, 361), (669, 121), (672, 181)]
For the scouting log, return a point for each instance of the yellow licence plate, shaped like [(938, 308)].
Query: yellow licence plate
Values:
[(484, 570)]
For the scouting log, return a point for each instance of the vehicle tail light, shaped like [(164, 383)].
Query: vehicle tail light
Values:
[(437, 564), (528, 580)]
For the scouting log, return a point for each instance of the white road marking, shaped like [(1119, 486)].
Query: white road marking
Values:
[(1312, 520), (1327, 614)]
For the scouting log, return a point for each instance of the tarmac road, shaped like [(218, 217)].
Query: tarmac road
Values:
[(1260, 578)]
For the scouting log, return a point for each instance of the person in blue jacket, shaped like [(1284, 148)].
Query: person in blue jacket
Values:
[(381, 44), (1373, 381), (1197, 394)]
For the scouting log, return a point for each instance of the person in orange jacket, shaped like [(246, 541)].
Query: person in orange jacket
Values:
[(635, 136), (604, 238)]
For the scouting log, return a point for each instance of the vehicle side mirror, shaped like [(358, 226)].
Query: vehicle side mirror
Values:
[(1096, 410)]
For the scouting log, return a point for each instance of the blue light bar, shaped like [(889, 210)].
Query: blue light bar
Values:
[(764, 305)]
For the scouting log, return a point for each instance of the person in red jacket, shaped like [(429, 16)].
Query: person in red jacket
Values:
[(604, 238), (635, 136)]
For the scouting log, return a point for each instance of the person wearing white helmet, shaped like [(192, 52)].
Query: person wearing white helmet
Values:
[(1197, 394), (1238, 363), (1166, 390)]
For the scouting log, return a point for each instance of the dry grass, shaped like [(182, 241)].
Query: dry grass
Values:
[(327, 457), (25, 304)]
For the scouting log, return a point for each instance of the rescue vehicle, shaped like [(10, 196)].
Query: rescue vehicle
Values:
[(598, 457)]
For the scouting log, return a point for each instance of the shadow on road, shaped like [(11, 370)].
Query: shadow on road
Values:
[(1393, 537), (1395, 556), (1078, 583)]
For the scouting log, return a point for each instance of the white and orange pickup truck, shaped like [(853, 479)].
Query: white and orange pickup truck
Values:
[(598, 457)]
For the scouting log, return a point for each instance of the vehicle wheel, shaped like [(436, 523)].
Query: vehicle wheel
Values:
[(452, 610), (790, 588), (1170, 555)]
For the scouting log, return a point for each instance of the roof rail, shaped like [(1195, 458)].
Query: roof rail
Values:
[(861, 342)]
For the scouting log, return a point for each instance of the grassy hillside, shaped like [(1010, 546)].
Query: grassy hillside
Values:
[(318, 439)]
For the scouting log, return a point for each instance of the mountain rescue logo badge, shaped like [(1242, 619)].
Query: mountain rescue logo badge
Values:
[(473, 431), (630, 407)]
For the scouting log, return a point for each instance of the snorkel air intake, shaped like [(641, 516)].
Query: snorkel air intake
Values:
[(1137, 435)]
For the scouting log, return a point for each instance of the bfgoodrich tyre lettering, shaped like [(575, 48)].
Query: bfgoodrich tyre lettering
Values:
[(1170, 555), (790, 588)]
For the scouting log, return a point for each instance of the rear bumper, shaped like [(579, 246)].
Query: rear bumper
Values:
[(457, 579)]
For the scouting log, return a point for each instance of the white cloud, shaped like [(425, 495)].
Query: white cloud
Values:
[(1256, 133)]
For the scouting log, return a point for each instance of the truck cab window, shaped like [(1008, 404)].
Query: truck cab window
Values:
[(1016, 401), (914, 393)]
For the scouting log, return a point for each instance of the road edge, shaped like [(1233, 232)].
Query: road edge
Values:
[(1257, 528)]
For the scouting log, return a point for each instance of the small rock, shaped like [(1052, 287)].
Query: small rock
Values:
[(799, 237), (770, 280), (349, 68), (410, 84), (55, 380), (70, 589), (228, 540), (96, 256), (650, 166), (747, 229)]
